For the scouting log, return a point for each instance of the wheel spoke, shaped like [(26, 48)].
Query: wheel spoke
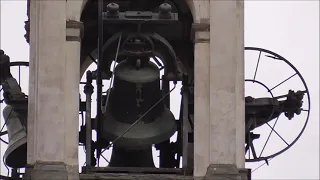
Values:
[(4, 124), (283, 82), (19, 75), (3, 133), (1, 100), (93, 60), (261, 165), (255, 73), (4, 141), (278, 134), (105, 158), (264, 146), (157, 61), (103, 151)]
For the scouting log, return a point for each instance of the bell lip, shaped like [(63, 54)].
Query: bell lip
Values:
[(132, 142), (10, 152), (142, 152)]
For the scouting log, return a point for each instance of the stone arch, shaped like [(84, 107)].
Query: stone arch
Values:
[(200, 10), (75, 8)]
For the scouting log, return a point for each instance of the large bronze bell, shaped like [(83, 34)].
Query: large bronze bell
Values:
[(16, 153), (136, 89)]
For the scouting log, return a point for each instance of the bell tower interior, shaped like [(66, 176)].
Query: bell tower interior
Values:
[(143, 38), (102, 77), (142, 51)]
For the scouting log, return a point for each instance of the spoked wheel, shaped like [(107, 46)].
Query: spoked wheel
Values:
[(18, 70), (273, 83)]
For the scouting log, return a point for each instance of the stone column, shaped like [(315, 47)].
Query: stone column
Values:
[(53, 95), (219, 94)]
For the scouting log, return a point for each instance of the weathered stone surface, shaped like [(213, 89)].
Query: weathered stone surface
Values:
[(219, 85), (245, 174), (227, 118), (51, 171), (222, 172), (53, 100)]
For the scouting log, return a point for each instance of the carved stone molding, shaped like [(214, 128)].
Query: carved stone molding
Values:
[(74, 28)]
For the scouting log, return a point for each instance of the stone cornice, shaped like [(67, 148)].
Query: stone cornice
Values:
[(74, 28)]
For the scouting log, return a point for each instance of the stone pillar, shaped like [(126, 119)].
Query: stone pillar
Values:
[(227, 82), (219, 94), (53, 95), (201, 98), (73, 47)]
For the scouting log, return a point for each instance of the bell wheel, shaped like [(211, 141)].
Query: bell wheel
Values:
[(272, 82)]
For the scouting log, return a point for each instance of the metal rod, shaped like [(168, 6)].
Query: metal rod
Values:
[(163, 159), (99, 79), (185, 129), (165, 90), (179, 134), (19, 75), (112, 76), (252, 148), (88, 90)]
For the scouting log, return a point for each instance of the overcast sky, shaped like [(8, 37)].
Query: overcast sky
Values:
[(289, 28)]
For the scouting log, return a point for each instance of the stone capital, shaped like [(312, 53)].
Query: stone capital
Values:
[(200, 32), (201, 26), (74, 31)]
